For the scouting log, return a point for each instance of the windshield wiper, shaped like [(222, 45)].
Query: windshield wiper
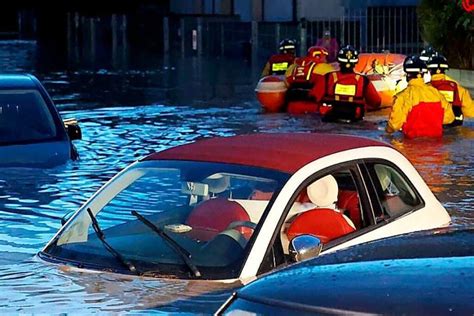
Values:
[(184, 254), (101, 236)]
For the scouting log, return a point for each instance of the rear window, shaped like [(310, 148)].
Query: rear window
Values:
[(24, 117), (397, 196)]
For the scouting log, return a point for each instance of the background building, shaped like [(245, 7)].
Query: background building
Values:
[(249, 28)]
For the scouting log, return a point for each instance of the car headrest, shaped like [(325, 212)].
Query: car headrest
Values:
[(323, 192)]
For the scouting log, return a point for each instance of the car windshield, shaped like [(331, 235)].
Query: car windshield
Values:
[(173, 218), (24, 117)]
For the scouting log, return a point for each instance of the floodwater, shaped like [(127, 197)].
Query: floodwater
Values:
[(148, 105)]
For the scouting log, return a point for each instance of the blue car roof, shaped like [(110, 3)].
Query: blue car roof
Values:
[(424, 272), (17, 81)]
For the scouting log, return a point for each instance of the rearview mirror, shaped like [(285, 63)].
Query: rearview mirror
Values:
[(304, 247), (73, 129), (195, 188)]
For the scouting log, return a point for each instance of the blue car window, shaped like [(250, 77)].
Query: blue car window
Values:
[(24, 117)]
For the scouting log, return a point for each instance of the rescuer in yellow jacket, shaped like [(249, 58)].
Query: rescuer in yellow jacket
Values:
[(420, 110), (454, 93)]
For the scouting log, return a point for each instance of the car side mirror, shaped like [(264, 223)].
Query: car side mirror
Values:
[(66, 217), (304, 247), (73, 129)]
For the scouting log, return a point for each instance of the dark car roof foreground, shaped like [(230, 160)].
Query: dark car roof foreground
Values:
[(286, 152), (430, 272)]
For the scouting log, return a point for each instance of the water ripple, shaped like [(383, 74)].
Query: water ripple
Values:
[(127, 114)]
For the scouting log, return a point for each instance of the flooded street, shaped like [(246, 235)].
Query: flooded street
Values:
[(148, 105)]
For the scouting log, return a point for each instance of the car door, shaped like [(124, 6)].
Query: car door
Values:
[(351, 206), (372, 196), (397, 204), (44, 154), (375, 221)]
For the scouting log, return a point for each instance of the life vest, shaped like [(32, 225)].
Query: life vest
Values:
[(302, 74), (280, 63), (344, 96), (301, 81), (424, 120), (449, 89), (345, 87)]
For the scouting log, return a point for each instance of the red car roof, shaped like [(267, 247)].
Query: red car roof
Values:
[(284, 152)]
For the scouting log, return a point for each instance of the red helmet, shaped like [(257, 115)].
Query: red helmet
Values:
[(317, 54)]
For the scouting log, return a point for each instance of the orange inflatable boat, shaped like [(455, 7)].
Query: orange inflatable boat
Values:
[(271, 92), (384, 70)]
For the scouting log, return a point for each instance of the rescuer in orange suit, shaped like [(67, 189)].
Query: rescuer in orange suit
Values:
[(345, 94), (279, 63), (300, 79), (419, 110), (453, 92)]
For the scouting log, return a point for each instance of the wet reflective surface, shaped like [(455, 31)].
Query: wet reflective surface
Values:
[(148, 105)]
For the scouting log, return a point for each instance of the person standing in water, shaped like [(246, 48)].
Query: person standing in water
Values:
[(345, 94), (419, 110), (454, 93), (278, 64)]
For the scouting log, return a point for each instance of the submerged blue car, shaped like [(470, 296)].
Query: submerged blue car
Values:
[(32, 133), (422, 273)]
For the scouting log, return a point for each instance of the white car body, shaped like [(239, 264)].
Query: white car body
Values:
[(431, 215)]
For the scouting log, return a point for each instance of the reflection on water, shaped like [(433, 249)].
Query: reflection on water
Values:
[(128, 113)]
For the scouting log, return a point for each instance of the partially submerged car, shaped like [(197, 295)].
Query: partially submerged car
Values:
[(226, 208), (429, 272), (32, 133)]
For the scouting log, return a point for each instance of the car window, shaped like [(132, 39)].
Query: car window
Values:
[(207, 209), (328, 208), (396, 195), (24, 116)]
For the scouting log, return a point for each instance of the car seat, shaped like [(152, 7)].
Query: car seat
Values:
[(324, 221), (348, 201), (211, 217)]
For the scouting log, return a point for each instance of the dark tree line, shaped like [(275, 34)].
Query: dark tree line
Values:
[(450, 29)]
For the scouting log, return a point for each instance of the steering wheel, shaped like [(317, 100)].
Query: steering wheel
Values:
[(236, 224), (245, 228)]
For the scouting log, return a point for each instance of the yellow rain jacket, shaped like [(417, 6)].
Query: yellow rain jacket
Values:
[(417, 93), (467, 106)]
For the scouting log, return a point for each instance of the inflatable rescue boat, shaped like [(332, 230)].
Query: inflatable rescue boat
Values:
[(274, 96), (271, 93), (384, 70)]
